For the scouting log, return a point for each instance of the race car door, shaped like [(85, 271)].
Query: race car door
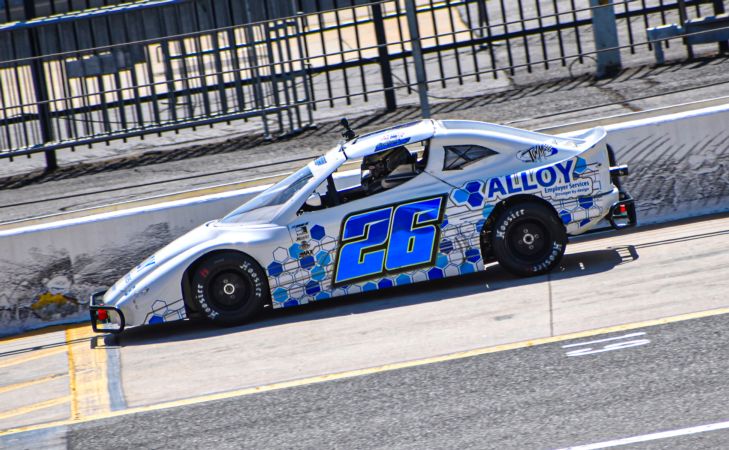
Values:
[(365, 241)]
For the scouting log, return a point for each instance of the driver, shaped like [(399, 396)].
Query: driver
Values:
[(387, 169)]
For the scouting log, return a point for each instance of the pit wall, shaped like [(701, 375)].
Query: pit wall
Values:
[(678, 163)]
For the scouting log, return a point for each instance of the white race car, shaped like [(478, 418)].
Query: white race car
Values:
[(420, 201)]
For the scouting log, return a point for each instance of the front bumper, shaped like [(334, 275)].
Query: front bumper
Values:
[(105, 318)]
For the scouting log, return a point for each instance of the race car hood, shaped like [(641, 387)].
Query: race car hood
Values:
[(185, 249)]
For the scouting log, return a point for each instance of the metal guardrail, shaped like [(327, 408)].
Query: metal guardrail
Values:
[(145, 72)]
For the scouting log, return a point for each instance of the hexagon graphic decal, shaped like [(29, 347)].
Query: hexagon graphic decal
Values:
[(460, 196), (275, 269), (295, 250), (317, 232), (280, 254), (280, 295), (318, 273), (307, 262), (565, 216), (323, 258), (435, 273), (312, 288)]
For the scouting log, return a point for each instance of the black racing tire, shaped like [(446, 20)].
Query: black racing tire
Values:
[(528, 239), (229, 287)]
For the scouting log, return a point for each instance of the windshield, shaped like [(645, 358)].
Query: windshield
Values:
[(263, 207)]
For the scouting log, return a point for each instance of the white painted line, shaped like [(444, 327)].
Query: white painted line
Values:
[(641, 333), (653, 436)]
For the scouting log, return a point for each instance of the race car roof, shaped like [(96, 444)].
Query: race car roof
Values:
[(382, 140)]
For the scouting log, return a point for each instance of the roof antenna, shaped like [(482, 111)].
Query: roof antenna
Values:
[(348, 134)]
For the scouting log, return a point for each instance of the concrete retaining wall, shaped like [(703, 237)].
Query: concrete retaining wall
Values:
[(678, 169)]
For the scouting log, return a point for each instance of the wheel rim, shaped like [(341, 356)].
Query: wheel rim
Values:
[(229, 290), (529, 241)]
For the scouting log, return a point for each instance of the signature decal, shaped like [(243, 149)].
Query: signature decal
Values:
[(537, 153)]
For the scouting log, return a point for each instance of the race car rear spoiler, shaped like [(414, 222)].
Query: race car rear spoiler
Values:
[(105, 318)]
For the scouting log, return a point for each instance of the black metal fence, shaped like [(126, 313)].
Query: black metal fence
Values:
[(160, 67)]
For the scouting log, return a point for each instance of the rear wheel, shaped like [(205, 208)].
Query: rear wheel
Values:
[(528, 239), (229, 287)]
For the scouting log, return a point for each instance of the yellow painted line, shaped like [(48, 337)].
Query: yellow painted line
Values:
[(24, 384), (370, 370), (34, 407), (87, 370), (31, 356), (71, 377)]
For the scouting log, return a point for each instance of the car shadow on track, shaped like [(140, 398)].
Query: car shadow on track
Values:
[(492, 279)]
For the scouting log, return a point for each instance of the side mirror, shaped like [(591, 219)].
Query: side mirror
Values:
[(314, 201)]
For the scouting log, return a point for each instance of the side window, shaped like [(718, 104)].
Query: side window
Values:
[(371, 175), (459, 156)]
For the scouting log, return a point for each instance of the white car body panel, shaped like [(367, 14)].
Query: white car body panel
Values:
[(299, 251)]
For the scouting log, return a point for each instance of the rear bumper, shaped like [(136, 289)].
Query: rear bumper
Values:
[(622, 213), (111, 320)]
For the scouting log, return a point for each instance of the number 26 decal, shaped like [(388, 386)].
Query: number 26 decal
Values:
[(388, 240)]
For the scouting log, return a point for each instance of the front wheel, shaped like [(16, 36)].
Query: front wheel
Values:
[(528, 239), (229, 287)]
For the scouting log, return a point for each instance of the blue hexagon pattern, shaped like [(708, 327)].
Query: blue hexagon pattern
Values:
[(318, 232), (466, 267), (473, 255), (473, 187), (280, 295), (307, 262), (435, 273), (565, 216), (446, 246), (460, 196), (586, 202), (475, 200), (580, 166), (312, 288), (295, 250), (318, 273), (275, 269), (323, 258), (479, 225), (156, 319)]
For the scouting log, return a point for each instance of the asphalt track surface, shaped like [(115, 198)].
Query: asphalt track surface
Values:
[(539, 397), (370, 371), (563, 394)]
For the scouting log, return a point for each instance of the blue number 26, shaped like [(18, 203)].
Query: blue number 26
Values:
[(389, 239)]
